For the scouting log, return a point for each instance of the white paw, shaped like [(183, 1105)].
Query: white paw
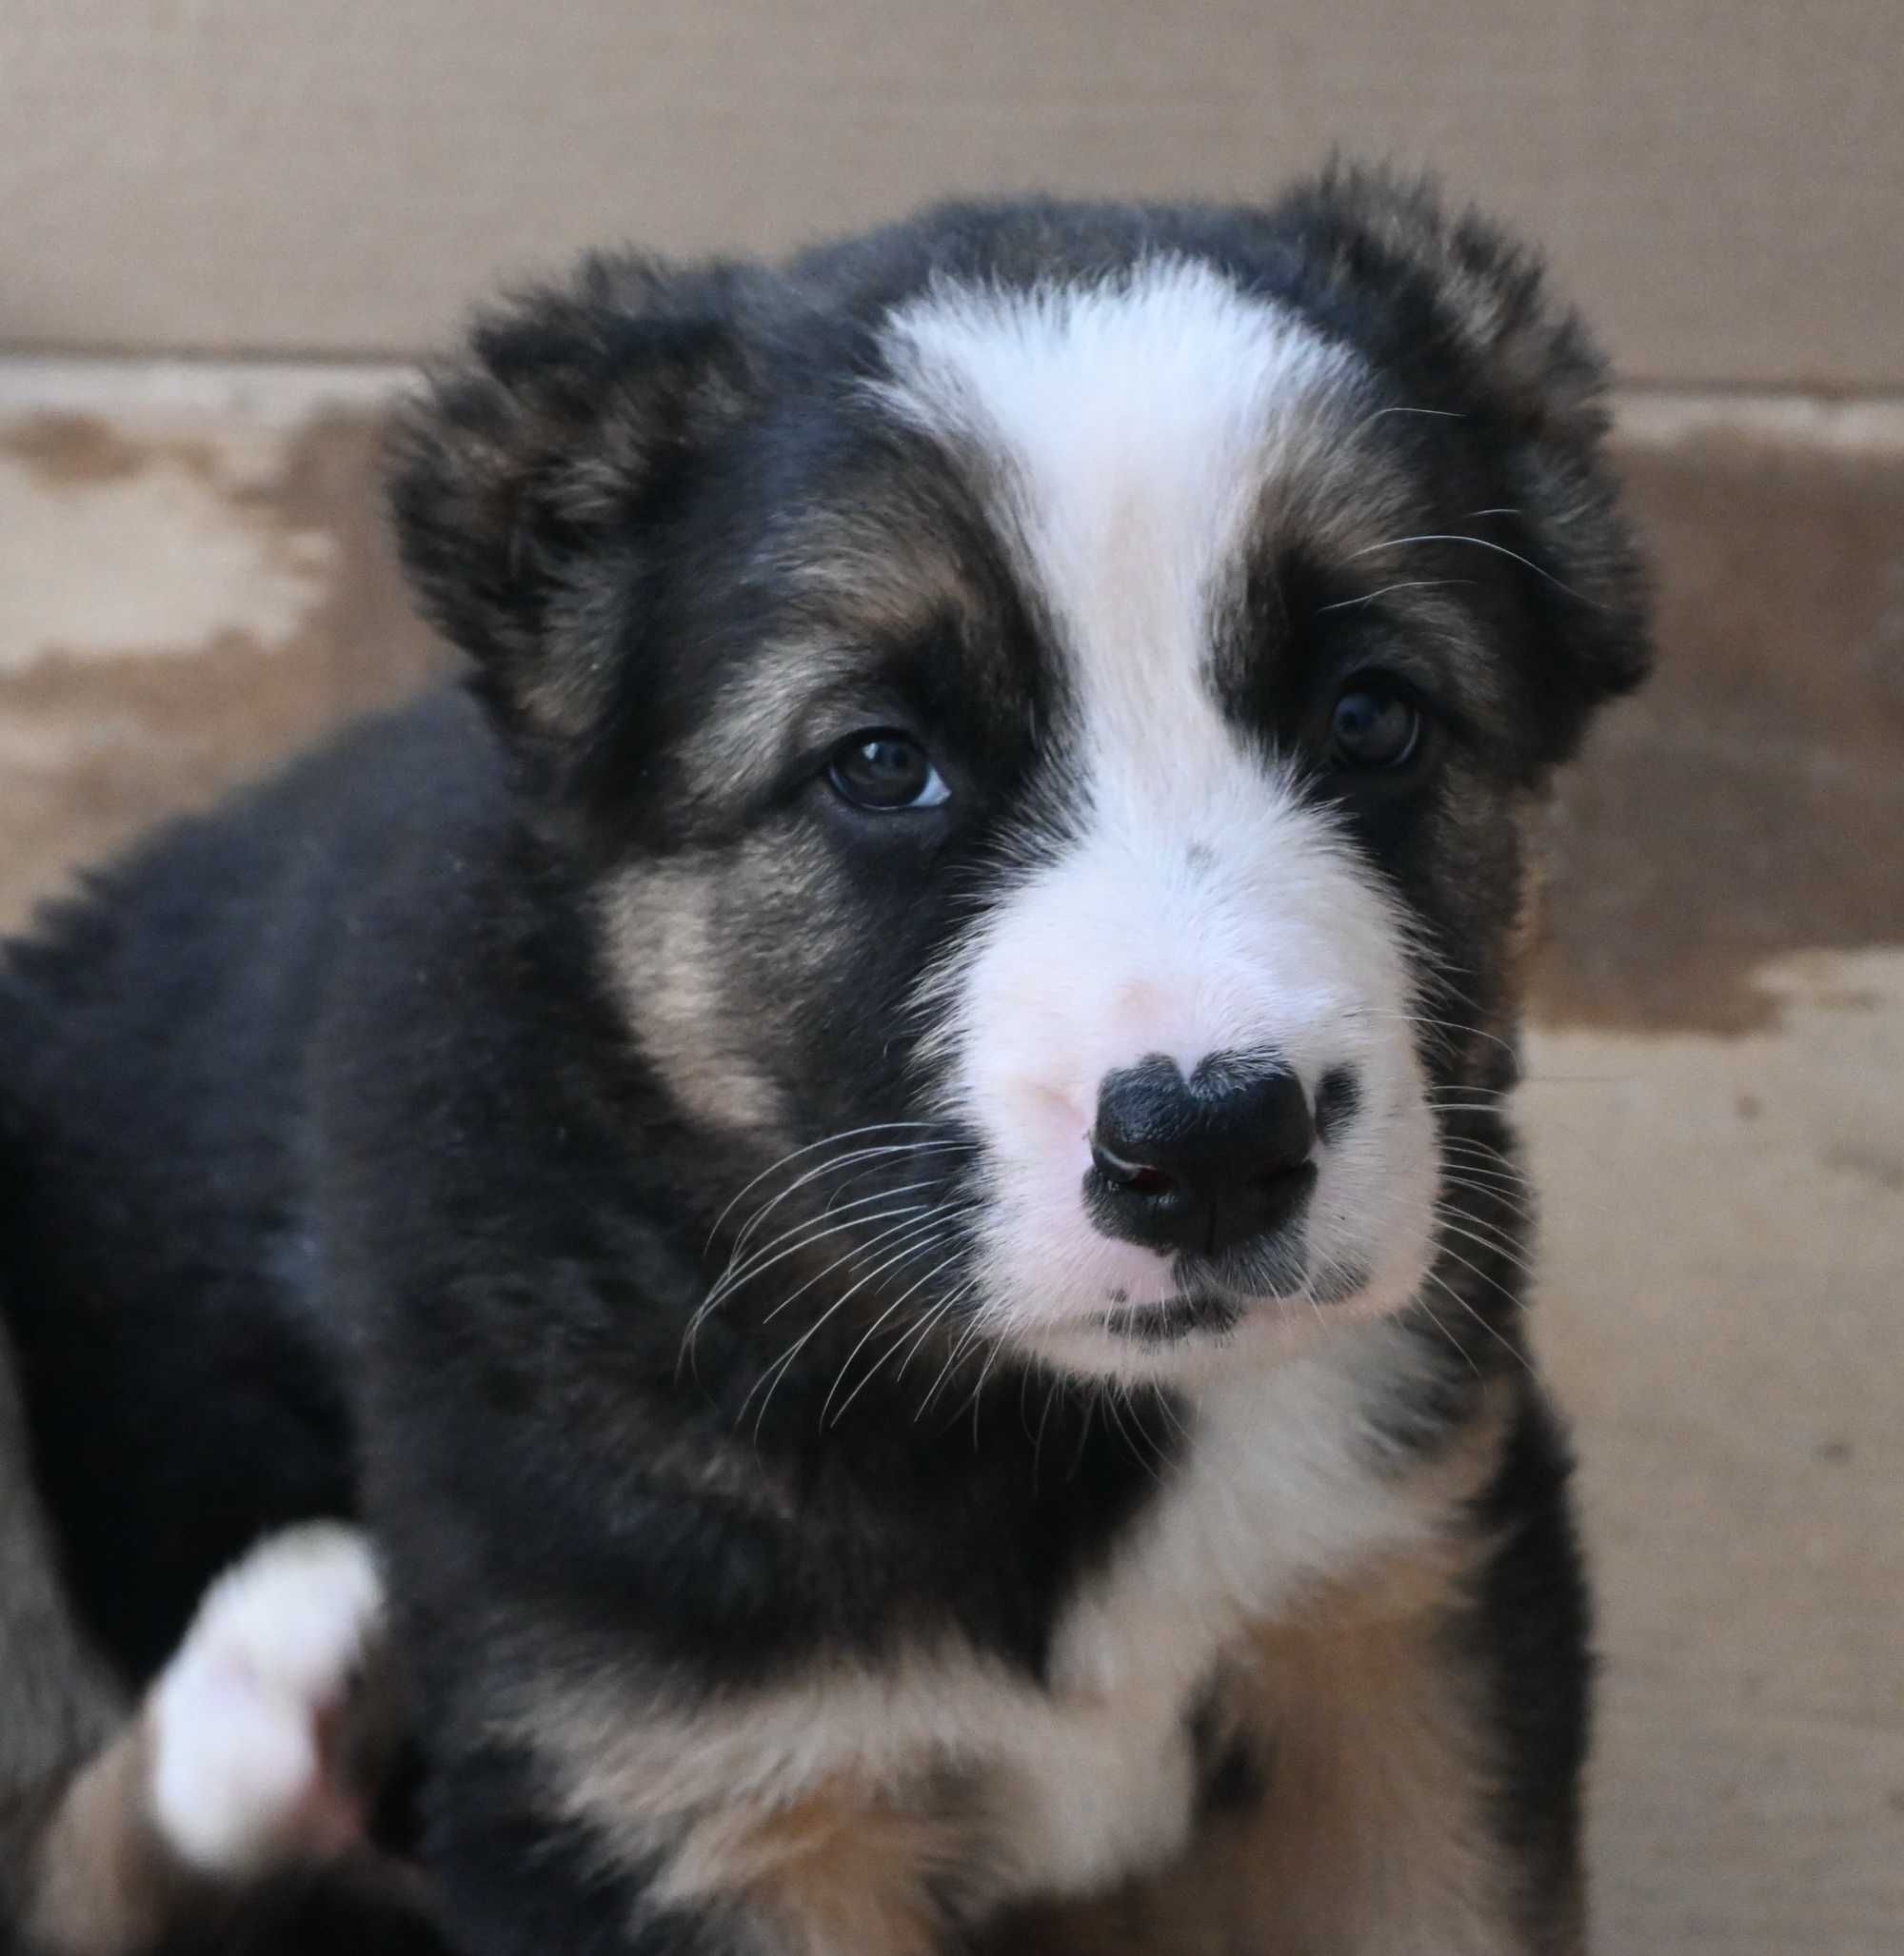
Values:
[(240, 1719)]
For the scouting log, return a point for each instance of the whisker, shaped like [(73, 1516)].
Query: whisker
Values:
[(794, 1155), (1521, 1202), (1508, 1175), (799, 1344), (1466, 1149), (1171, 1420), (1405, 585), (1428, 1310), (966, 1337), (927, 1326), (1541, 1080), (730, 1286), (908, 1232), (1516, 1304), (1151, 1446), (1480, 544), (862, 1173), (833, 1167), (1510, 1257), (1448, 1025), (1084, 1436), (1518, 1357), (910, 1290), (1500, 1200), (1428, 413), (1043, 1418), (1514, 1203), (780, 1369), (984, 1373), (1472, 1163), (722, 1291), (824, 1223), (1111, 1412)]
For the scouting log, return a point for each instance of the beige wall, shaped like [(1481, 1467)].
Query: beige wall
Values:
[(1721, 181)]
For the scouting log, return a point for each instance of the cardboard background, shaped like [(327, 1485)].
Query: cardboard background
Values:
[(1721, 182)]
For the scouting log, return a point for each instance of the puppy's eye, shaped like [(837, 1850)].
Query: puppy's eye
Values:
[(886, 772), (1376, 727)]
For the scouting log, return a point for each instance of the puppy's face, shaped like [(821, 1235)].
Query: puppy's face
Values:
[(1059, 750)]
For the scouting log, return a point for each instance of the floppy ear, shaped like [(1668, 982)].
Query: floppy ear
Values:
[(1439, 296), (524, 478)]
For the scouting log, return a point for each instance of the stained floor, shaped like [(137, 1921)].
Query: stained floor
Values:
[(193, 579)]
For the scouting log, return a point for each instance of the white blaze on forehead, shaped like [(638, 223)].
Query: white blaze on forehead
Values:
[(1136, 438), (1133, 425)]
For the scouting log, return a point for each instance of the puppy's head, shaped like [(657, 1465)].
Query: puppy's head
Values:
[(1050, 697)]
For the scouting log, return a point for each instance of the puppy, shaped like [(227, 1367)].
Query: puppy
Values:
[(882, 1162)]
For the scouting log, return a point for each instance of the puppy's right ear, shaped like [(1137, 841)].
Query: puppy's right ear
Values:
[(525, 481)]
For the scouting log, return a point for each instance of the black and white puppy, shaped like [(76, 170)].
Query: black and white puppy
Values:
[(884, 1170)]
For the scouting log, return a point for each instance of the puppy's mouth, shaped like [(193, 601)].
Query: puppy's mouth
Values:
[(1172, 1320), (1204, 1308)]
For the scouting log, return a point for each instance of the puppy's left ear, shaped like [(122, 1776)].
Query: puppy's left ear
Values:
[(528, 481), (1462, 315)]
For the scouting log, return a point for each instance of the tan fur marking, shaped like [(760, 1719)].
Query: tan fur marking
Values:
[(657, 942), (838, 1872), (105, 1881), (1328, 488), (745, 738), (838, 1865), (1374, 1825), (856, 586), (886, 578)]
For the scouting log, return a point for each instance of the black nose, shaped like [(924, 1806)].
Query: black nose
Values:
[(1201, 1164)]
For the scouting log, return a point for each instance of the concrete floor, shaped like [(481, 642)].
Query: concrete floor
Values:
[(191, 578)]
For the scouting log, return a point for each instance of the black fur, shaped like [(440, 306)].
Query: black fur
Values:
[(355, 1908), (334, 1179), (1531, 1628)]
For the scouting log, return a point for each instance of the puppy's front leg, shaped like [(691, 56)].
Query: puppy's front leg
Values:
[(228, 1770)]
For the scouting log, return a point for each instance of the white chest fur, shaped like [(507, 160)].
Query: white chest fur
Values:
[(1280, 1489)]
